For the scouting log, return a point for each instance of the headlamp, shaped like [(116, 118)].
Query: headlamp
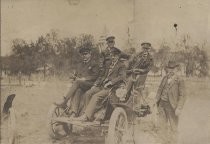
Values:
[(121, 93)]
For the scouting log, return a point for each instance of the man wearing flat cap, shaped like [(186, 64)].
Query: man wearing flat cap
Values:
[(170, 101), (105, 55), (104, 60), (87, 72), (138, 68), (104, 63), (114, 75), (142, 62)]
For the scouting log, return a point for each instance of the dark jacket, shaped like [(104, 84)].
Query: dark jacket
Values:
[(138, 62), (116, 75), (104, 63), (89, 70)]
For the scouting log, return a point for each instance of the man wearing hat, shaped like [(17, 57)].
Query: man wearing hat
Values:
[(105, 61), (105, 58), (114, 75), (87, 72), (143, 61), (170, 101), (138, 68), (110, 43)]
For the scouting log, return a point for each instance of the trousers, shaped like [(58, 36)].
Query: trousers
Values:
[(77, 102), (167, 122), (86, 98), (96, 102), (137, 85), (78, 88)]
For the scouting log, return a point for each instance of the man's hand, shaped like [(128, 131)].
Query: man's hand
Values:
[(94, 86), (108, 84), (129, 71), (72, 77), (106, 80), (178, 112), (138, 70)]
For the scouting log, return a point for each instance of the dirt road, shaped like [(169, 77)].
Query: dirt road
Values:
[(32, 104)]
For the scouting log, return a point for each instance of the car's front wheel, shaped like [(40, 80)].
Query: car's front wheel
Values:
[(118, 127), (57, 130)]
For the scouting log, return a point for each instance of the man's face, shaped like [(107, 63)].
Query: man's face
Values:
[(145, 50), (171, 71), (110, 44), (115, 57), (145, 54), (86, 56)]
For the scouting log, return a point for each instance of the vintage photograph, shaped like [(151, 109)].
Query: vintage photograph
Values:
[(105, 72)]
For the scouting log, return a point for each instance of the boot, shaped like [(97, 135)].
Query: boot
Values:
[(73, 115), (82, 118)]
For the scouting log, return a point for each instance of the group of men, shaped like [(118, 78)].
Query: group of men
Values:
[(96, 78)]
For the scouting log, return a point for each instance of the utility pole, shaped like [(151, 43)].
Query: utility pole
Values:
[(102, 39)]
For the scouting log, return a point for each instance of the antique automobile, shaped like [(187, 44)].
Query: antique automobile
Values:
[(120, 112), (8, 122)]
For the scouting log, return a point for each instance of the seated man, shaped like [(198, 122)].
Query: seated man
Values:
[(114, 74), (105, 61), (139, 67), (87, 72)]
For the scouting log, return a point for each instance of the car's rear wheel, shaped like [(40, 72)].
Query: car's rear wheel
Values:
[(56, 129), (118, 127)]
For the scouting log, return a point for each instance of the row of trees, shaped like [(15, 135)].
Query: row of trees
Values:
[(60, 55), (194, 58)]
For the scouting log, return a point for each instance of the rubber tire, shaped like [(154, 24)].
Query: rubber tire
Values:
[(112, 124), (67, 128)]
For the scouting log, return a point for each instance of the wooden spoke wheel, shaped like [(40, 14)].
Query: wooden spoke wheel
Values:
[(118, 127), (57, 130)]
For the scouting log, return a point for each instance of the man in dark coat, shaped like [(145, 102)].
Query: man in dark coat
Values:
[(114, 75), (87, 72), (138, 68), (105, 61), (170, 101)]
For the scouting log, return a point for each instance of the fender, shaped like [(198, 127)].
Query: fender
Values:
[(8, 103)]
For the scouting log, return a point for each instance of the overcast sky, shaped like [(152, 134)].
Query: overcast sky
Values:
[(155, 19), (150, 20)]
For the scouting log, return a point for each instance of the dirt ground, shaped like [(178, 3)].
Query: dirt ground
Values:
[(32, 103)]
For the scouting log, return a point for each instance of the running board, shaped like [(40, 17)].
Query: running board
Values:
[(79, 123)]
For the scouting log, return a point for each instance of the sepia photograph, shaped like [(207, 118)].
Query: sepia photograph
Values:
[(105, 72)]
